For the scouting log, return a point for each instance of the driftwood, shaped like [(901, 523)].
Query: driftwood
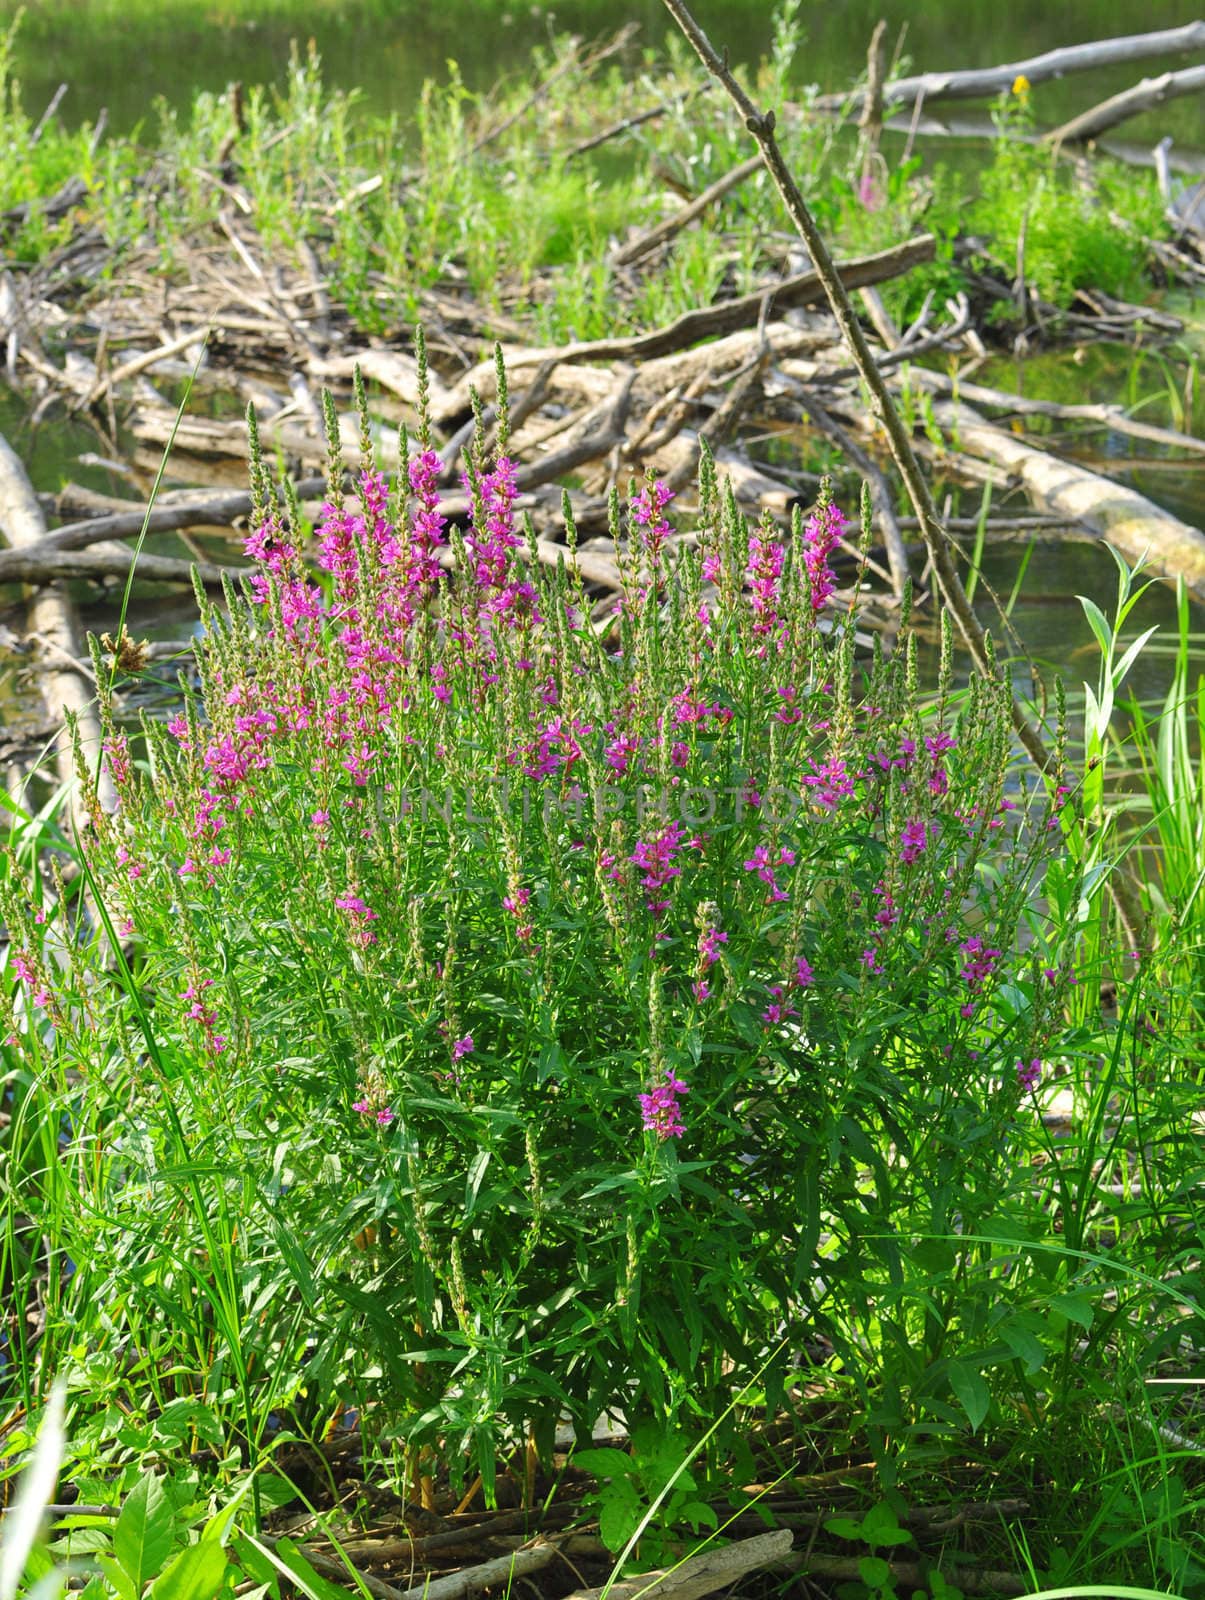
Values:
[(471, 1580), (698, 1575), (1105, 416), (804, 288), (911, 1575), (984, 84), (1129, 521), (1119, 108), (52, 618)]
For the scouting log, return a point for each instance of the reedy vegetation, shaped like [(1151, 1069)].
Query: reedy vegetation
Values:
[(529, 223)]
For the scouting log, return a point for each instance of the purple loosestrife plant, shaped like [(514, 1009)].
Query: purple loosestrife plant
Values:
[(479, 886)]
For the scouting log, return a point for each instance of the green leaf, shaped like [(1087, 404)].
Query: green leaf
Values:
[(605, 1463), (1074, 1307), (117, 1577), (142, 1538), (287, 1558), (881, 1527), (874, 1571), (1098, 623), (971, 1393), (1024, 1345), (618, 1520), (197, 1573), (844, 1528), (477, 1172)]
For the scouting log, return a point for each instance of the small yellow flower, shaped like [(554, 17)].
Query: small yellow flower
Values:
[(1021, 86)]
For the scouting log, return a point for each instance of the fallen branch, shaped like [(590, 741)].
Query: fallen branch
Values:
[(1129, 521), (645, 243), (710, 322), (471, 1580), (52, 616), (1106, 416), (1129, 103), (22, 566), (911, 1574), (699, 1575), (978, 84), (209, 511)]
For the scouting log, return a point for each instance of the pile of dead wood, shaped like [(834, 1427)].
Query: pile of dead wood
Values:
[(112, 342)]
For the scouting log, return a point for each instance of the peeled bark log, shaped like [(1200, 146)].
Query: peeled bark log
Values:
[(1130, 103), (51, 616), (984, 84), (1127, 520)]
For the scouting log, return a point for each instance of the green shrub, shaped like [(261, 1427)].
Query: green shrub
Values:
[(520, 1020)]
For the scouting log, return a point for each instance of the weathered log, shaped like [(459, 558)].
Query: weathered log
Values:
[(699, 1575), (1107, 416), (207, 511), (978, 84), (52, 617), (710, 322), (54, 566), (471, 1580), (1129, 103), (1127, 520)]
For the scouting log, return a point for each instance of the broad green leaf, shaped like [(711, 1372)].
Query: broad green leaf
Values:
[(971, 1393), (874, 1571), (605, 1463), (197, 1573), (880, 1526), (1074, 1307), (617, 1521), (142, 1537), (1024, 1345)]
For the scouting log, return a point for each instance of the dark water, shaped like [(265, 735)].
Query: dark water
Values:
[(122, 54)]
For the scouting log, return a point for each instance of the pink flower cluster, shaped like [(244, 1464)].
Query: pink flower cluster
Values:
[(661, 1109)]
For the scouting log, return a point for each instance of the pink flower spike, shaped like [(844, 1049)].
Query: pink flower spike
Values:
[(1028, 1074)]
